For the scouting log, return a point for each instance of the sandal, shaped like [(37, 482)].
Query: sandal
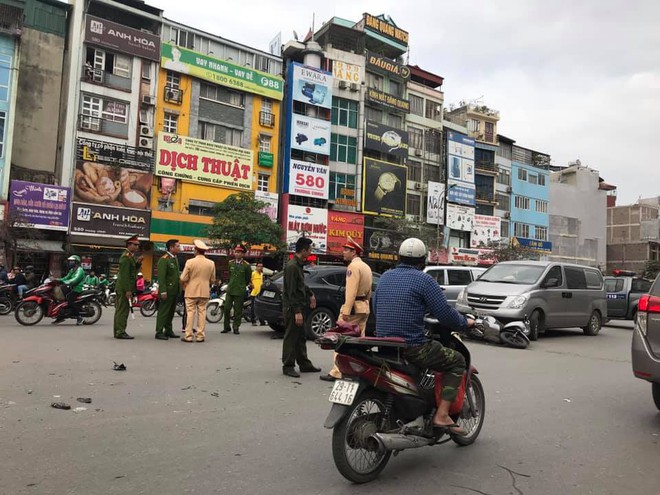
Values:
[(452, 429)]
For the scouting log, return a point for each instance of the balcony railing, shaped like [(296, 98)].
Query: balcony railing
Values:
[(173, 95), (486, 166), (266, 119), (11, 20), (99, 125), (99, 76), (486, 196)]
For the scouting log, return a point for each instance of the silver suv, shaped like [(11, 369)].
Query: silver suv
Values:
[(646, 340), (453, 279)]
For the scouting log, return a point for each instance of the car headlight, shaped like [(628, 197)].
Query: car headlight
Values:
[(517, 302), (462, 297)]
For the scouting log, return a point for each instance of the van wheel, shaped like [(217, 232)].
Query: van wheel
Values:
[(535, 325), (656, 394), (593, 327)]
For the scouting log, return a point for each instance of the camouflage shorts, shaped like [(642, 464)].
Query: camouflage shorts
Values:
[(437, 357)]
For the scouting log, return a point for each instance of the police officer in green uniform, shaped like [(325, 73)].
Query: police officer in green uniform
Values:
[(125, 287), (74, 281), (240, 274), (296, 298), (168, 289)]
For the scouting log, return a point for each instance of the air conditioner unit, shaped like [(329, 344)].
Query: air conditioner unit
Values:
[(148, 100), (507, 215), (146, 131), (146, 143), (418, 152), (343, 84), (355, 87), (509, 189), (418, 186)]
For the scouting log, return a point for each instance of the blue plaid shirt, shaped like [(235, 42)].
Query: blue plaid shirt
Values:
[(403, 296)]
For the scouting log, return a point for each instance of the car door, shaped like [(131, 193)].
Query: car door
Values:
[(457, 280), (554, 297), (617, 298), (577, 302)]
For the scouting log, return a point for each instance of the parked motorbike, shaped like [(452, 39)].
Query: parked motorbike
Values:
[(514, 334), (8, 298), (48, 300), (147, 301), (384, 405), (215, 307)]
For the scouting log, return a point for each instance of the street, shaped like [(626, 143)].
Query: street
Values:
[(566, 414)]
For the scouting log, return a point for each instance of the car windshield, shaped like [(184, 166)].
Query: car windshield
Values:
[(513, 274)]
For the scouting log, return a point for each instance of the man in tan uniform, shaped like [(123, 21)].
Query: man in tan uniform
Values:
[(196, 279), (356, 298)]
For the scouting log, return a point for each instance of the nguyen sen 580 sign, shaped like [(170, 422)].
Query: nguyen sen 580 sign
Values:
[(309, 179), (207, 162)]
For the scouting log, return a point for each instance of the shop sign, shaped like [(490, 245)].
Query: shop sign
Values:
[(460, 217), (340, 226), (384, 188), (312, 86), (343, 71), (122, 38), (221, 72), (386, 139), (271, 199), (309, 222), (206, 162), (308, 179), (544, 247), (472, 257), (389, 101), (39, 206), (487, 229), (435, 207), (381, 26), (309, 134), (266, 159), (387, 65), (109, 221), (346, 197)]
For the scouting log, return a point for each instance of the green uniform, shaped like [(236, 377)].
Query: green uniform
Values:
[(125, 283), (93, 281), (295, 299), (239, 278), (168, 282), (75, 279)]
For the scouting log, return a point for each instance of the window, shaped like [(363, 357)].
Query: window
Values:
[(505, 228), (541, 206), (5, 70), (99, 61), (521, 230), (433, 110), (3, 118), (263, 182), (431, 173), (459, 277), (521, 202), (594, 279), (490, 131), (220, 134), (438, 276), (541, 180), (394, 121), (413, 204), (541, 233), (115, 111), (171, 122), (395, 88), (432, 143), (639, 285), (91, 111), (503, 202), (266, 105), (375, 81), (146, 70), (522, 174), (182, 38), (504, 176), (122, 66), (342, 186), (614, 285), (264, 143), (416, 105), (344, 112), (173, 80), (343, 148), (221, 95), (199, 207), (473, 125), (374, 115), (575, 278), (414, 171), (416, 137), (554, 272), (533, 178)]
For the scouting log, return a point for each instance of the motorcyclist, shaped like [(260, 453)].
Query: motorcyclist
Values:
[(74, 281), (403, 297), (92, 280), (140, 283)]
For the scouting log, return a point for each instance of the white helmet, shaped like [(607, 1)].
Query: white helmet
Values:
[(412, 248), (139, 274)]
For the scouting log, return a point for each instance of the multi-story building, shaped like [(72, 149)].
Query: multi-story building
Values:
[(633, 235), (503, 187), (578, 216)]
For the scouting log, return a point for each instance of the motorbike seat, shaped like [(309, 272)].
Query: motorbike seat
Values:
[(389, 341)]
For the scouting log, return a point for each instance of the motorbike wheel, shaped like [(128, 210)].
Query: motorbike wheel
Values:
[(180, 308), (514, 339), (472, 421), (6, 306), (93, 309), (111, 299), (29, 313), (214, 312), (148, 308), (355, 458)]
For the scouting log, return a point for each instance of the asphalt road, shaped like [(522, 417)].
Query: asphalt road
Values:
[(219, 417)]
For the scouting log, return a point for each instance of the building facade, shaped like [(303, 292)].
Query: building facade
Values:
[(633, 236)]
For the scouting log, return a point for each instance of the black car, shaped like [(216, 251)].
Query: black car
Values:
[(328, 284)]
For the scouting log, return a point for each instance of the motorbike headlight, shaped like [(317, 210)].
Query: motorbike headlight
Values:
[(462, 297), (517, 302)]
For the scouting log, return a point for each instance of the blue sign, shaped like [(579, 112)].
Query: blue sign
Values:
[(535, 245), (460, 169), (461, 194)]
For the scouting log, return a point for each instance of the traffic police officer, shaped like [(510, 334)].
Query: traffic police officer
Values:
[(168, 289), (125, 287)]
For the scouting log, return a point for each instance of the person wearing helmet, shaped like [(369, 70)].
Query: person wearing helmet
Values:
[(403, 297), (74, 282), (91, 279), (140, 283)]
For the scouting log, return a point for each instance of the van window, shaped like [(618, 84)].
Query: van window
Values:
[(639, 285), (575, 278), (594, 279), (554, 272), (614, 285), (438, 276), (459, 277), (513, 274)]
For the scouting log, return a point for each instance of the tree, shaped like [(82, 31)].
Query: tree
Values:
[(504, 251), (651, 269), (404, 228), (239, 220)]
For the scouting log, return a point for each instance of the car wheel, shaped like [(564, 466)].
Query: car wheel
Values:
[(656, 394), (535, 325), (320, 321), (593, 327)]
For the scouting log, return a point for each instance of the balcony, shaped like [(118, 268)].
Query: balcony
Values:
[(266, 119), (485, 166), (11, 20), (173, 95), (98, 125), (486, 197), (103, 78)]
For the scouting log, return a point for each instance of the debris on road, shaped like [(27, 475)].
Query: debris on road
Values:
[(119, 367), (567, 400), (84, 400), (79, 409), (215, 394), (60, 405)]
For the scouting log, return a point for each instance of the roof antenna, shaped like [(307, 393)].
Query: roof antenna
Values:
[(313, 22)]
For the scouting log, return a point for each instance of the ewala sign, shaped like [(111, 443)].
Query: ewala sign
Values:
[(340, 226)]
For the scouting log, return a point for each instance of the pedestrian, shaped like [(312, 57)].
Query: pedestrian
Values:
[(168, 289), (355, 309), (296, 299), (74, 282), (92, 279), (125, 287), (239, 279), (197, 277), (257, 281)]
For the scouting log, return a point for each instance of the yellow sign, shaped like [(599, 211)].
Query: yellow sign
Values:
[(206, 162)]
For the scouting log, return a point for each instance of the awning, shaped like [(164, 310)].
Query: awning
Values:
[(44, 245)]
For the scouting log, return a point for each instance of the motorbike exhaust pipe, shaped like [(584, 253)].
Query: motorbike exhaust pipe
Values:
[(396, 441)]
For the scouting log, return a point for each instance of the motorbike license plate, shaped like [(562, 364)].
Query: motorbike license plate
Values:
[(268, 293), (343, 392)]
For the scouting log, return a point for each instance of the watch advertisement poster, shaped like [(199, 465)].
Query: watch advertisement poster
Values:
[(384, 188), (312, 86), (460, 217), (386, 139)]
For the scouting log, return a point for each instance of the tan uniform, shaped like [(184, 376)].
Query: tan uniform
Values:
[(355, 309), (196, 279)]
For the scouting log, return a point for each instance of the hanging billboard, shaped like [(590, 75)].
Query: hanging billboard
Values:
[(39, 206), (309, 134), (384, 188), (460, 169), (309, 222), (379, 137), (435, 207), (487, 230), (460, 217), (308, 179), (342, 224), (312, 86)]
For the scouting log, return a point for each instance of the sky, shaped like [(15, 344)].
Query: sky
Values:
[(575, 79)]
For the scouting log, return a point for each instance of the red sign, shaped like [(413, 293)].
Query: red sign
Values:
[(342, 224)]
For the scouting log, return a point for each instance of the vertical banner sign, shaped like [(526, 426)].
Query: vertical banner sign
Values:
[(435, 208), (342, 224), (460, 169), (487, 229)]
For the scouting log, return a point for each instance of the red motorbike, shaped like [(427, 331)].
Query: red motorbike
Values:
[(48, 300), (147, 301), (383, 404)]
